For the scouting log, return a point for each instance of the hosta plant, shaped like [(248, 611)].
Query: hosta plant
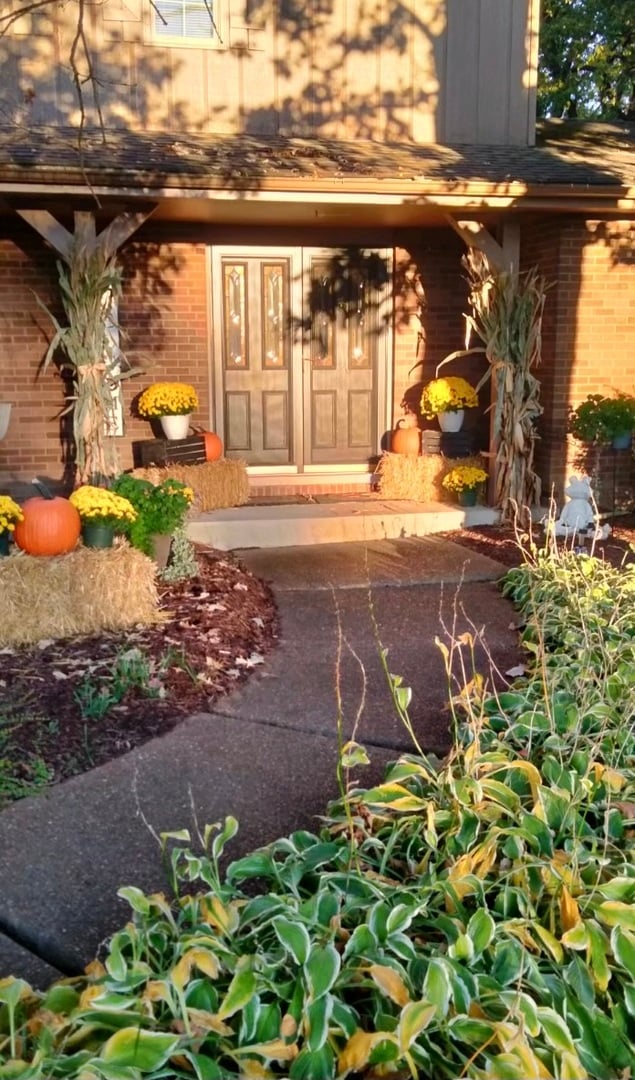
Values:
[(474, 919)]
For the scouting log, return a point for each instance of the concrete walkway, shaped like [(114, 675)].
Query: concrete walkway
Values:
[(265, 754)]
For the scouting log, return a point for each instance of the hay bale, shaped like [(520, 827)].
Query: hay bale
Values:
[(418, 478), (216, 484), (85, 592)]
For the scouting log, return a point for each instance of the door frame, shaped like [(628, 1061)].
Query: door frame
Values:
[(299, 366)]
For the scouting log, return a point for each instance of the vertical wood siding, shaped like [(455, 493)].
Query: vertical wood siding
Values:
[(391, 70)]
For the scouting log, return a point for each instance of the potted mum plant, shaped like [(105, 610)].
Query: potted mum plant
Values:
[(10, 514), (464, 482), (447, 399), (102, 513), (172, 403), (600, 419), (160, 511)]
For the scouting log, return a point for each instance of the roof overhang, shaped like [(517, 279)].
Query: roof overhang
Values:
[(243, 179), (386, 205)]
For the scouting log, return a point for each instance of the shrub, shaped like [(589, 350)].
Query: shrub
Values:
[(600, 419), (474, 920)]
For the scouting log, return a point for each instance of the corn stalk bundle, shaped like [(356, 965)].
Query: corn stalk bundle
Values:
[(90, 286), (506, 315)]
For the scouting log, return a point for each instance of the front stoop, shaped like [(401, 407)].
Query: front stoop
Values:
[(330, 523)]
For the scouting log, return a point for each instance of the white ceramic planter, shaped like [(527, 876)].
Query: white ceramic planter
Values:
[(451, 420), (176, 427)]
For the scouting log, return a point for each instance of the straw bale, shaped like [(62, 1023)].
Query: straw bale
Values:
[(402, 476), (216, 484), (85, 592)]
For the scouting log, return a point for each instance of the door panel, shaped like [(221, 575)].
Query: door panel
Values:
[(256, 358)]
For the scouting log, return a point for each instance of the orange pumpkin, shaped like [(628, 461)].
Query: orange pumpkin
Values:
[(213, 446), (50, 526), (406, 440)]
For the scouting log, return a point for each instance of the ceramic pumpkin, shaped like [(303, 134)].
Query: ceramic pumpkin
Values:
[(50, 526), (213, 446)]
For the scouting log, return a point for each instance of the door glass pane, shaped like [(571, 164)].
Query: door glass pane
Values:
[(358, 343), (234, 316), (275, 308), (322, 310)]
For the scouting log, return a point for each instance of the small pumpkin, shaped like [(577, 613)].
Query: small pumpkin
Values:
[(213, 446), (406, 439), (51, 526)]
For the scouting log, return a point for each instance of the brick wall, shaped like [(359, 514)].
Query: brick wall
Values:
[(435, 260), (589, 329), (33, 443), (164, 317)]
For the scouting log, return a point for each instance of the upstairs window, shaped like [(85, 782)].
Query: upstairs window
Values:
[(194, 20)]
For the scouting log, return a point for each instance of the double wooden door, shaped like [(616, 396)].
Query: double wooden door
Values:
[(300, 348)]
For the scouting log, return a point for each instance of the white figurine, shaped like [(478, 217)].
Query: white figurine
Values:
[(578, 515)]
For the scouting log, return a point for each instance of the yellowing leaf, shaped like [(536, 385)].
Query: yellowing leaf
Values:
[(616, 913), (202, 1021), (274, 1050), (414, 1018), (571, 1068), (288, 1027), (221, 917), (526, 767), (569, 910), (355, 1055), (550, 942), (137, 1049), (200, 958), (576, 937), (390, 983)]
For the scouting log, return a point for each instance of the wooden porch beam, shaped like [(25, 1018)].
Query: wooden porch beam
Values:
[(50, 229), (109, 239), (475, 235), (121, 227)]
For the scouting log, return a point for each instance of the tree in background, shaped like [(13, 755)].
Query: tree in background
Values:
[(587, 59)]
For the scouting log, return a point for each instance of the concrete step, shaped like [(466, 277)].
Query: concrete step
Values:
[(330, 523)]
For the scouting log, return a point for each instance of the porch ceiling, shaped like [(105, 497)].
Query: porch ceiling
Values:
[(250, 180)]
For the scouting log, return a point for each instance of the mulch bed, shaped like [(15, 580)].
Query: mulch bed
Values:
[(221, 625), (500, 543)]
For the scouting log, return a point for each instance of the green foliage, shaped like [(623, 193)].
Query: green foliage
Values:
[(132, 670), (587, 59), (20, 774), (183, 564), (599, 419), (161, 508), (474, 920)]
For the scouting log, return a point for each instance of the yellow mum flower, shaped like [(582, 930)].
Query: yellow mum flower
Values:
[(167, 399)]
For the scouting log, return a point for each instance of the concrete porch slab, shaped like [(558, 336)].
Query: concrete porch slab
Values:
[(330, 523)]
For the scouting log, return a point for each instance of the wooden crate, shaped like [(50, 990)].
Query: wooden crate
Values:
[(190, 451)]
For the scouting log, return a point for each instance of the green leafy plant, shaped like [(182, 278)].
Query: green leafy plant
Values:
[(161, 508), (474, 918), (183, 563), (600, 419)]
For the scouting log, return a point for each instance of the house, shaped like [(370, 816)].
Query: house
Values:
[(291, 188)]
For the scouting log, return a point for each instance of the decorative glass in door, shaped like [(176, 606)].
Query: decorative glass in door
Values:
[(344, 290), (256, 347)]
